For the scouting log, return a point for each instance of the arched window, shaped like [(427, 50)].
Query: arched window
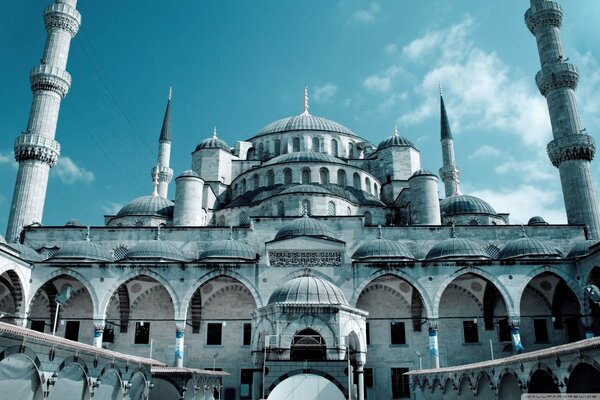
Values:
[(306, 175), (296, 144), (261, 151), (356, 181), (331, 208), (350, 150), (308, 345), (368, 218), (244, 185), (315, 144), (305, 207), (281, 209), (375, 190), (270, 178), (348, 211), (277, 147), (324, 175), (287, 176), (334, 148), (368, 185), (244, 219), (251, 154), (255, 181), (341, 178)]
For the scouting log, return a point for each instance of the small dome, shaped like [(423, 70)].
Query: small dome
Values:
[(73, 222), (155, 250), (189, 172), (464, 204), (537, 220), (304, 156), (304, 226), (456, 248), (229, 249), (395, 141), (527, 247), (581, 248), (156, 206), (26, 252), (305, 188), (82, 250), (213, 143), (304, 122), (381, 248), (308, 290), (422, 172)]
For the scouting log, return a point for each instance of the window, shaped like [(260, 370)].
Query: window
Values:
[(142, 333), (368, 333), (350, 150), (368, 218), (368, 377), (255, 182), (470, 332), (315, 144), (324, 175), (109, 335), (356, 181), (287, 176), (305, 207), (246, 384), (368, 185), (331, 208), (244, 219), (334, 148), (573, 333), (270, 178), (119, 252), (261, 149), (213, 334), (398, 335), (277, 147), (247, 334), (72, 330), (281, 209), (504, 334), (296, 144), (341, 177), (39, 326), (400, 384), (306, 175), (541, 330)]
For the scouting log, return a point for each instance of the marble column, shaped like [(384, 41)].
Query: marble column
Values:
[(434, 349)]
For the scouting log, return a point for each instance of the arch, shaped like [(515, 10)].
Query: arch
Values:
[(296, 144), (583, 375), (356, 181), (508, 386), (261, 151), (307, 321), (450, 390), (19, 376), (251, 155), (368, 185), (244, 219), (305, 207), (315, 145), (71, 381), (137, 386), (306, 175), (308, 345), (270, 178), (308, 380), (287, 176), (465, 389), (542, 380), (350, 150), (324, 176), (111, 385), (334, 148), (276, 147), (555, 271), (165, 388), (244, 187), (13, 283), (508, 301), (196, 311), (368, 218), (341, 178), (485, 386)]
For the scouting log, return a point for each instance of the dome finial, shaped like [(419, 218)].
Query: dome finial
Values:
[(158, 232), (395, 130), (87, 234), (452, 231), (440, 88), (155, 181), (170, 92), (230, 237), (523, 234), (379, 232), (305, 101), (215, 132)]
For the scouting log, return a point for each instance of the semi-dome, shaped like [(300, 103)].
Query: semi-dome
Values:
[(189, 173), (155, 250), (304, 156), (464, 204), (213, 143), (304, 226), (456, 248), (26, 252), (305, 188), (526, 247), (82, 250), (229, 249), (581, 248), (395, 141), (537, 220), (156, 206), (381, 248), (308, 290), (422, 172), (304, 122)]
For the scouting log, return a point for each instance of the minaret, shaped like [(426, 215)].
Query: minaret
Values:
[(572, 149), (36, 151), (164, 153), (449, 171)]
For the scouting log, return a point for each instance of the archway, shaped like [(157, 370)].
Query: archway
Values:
[(484, 387), (164, 389), (308, 345), (542, 382), (306, 387), (465, 389), (71, 383), (508, 388), (20, 377), (110, 387), (585, 378), (11, 295), (137, 387)]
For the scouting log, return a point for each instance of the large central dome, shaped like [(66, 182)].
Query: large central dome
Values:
[(304, 122)]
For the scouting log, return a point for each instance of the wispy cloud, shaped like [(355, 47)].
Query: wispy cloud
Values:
[(324, 93), (111, 208), (69, 173), (382, 82), (8, 158), (391, 48), (366, 15), (587, 91), (485, 152)]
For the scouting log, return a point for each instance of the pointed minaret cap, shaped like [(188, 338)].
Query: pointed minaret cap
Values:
[(305, 112), (444, 124), (165, 133)]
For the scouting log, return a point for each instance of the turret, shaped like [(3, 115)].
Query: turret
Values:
[(36, 151), (424, 199), (449, 171), (188, 211), (165, 174), (572, 149)]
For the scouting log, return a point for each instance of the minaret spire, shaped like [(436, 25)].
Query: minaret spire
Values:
[(449, 171), (572, 148), (305, 112), (36, 151), (162, 169)]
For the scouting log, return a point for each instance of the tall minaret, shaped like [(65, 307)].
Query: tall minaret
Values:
[(165, 174), (36, 151), (449, 171), (572, 149)]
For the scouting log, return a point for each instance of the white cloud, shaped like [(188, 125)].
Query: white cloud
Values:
[(444, 43), (324, 93), (393, 99), (383, 83), (8, 158), (390, 48), (69, 172), (536, 169), (587, 91), (367, 15), (485, 152)]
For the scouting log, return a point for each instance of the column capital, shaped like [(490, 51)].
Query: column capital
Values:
[(514, 321), (180, 326), (432, 323)]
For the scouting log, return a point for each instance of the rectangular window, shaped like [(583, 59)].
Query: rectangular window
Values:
[(400, 384), (213, 334), (109, 335), (368, 377), (541, 330), (142, 333), (246, 384), (504, 331), (72, 330), (398, 335), (368, 333), (247, 334), (39, 326), (470, 332)]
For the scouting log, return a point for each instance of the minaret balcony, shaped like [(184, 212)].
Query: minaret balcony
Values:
[(62, 16), (545, 14), (30, 146), (48, 77), (571, 147), (557, 76)]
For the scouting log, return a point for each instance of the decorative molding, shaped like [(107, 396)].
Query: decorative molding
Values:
[(47, 77), (62, 16), (572, 147), (546, 14), (30, 146), (557, 76)]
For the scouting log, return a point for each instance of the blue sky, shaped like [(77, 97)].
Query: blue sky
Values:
[(240, 65)]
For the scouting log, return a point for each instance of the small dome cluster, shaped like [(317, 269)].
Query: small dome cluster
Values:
[(26, 252), (581, 249), (82, 250), (464, 204), (308, 290), (525, 247)]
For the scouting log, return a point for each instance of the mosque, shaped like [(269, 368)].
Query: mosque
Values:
[(305, 253)]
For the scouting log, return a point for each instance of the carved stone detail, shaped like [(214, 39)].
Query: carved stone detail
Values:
[(572, 147), (62, 16), (556, 76), (547, 14), (298, 259), (47, 77), (29, 146), (165, 174)]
